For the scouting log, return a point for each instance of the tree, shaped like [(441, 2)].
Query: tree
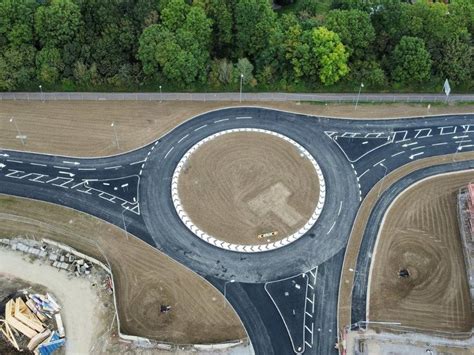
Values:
[(16, 22), (57, 23), (225, 71), (411, 61), (245, 68), (179, 46), (254, 21), (49, 65), (16, 67), (329, 55), (457, 60), (355, 30)]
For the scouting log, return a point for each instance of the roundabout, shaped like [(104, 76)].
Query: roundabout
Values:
[(240, 188)]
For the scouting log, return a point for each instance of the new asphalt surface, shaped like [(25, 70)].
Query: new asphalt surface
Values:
[(133, 191)]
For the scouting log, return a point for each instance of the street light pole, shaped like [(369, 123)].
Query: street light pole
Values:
[(42, 95), (358, 96), (225, 287), (161, 95), (241, 81), (12, 120), (115, 133)]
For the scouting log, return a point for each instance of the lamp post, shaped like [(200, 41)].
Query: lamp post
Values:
[(161, 95), (12, 120), (241, 81), (358, 96), (225, 287), (115, 134), (41, 90)]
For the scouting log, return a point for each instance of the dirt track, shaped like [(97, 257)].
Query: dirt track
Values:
[(421, 234), (84, 128), (240, 185), (144, 278)]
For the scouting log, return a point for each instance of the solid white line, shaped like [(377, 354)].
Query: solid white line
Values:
[(365, 172), (61, 167), (380, 162), (71, 162), (197, 129), (467, 146), (113, 167), (183, 138), (243, 118), (37, 164), (224, 119), (137, 162), (465, 136), (169, 151), (394, 155), (15, 161), (415, 155), (409, 144), (308, 344), (419, 147), (340, 208), (435, 144)]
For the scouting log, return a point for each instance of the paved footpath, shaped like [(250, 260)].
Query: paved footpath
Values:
[(235, 96)]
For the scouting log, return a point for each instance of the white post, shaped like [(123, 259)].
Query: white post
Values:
[(358, 96), (161, 95), (12, 120), (115, 133), (241, 81)]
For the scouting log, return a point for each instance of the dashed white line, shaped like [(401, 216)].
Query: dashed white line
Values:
[(169, 151), (113, 167), (224, 119), (15, 161), (443, 143), (378, 163), (38, 164), (183, 138), (340, 208), (419, 147), (243, 118), (197, 129), (409, 144), (134, 163), (394, 155), (87, 169), (330, 229), (415, 155), (61, 167)]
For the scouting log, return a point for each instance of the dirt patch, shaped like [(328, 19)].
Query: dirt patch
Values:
[(420, 234), (144, 278), (83, 128), (240, 185)]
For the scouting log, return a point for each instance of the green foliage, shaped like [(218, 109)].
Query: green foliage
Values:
[(245, 68), (16, 67), (411, 61), (49, 65), (85, 76), (368, 72), (57, 23), (355, 30), (16, 22), (457, 59), (330, 54), (225, 71)]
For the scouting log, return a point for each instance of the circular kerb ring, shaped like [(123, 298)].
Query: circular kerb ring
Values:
[(241, 247)]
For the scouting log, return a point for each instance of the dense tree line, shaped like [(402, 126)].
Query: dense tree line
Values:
[(209, 44)]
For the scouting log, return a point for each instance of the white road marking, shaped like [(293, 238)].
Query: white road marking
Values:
[(243, 118), (61, 167), (467, 128), (81, 183), (66, 173), (39, 177), (15, 161), (183, 138), (464, 136), (4, 155), (394, 155), (378, 163), (330, 229), (340, 208), (309, 314), (38, 164), (415, 155), (405, 133), (418, 133), (71, 162), (89, 169), (197, 129), (408, 144), (113, 167), (419, 147), (365, 172), (443, 143), (137, 162), (467, 146), (224, 119), (442, 130), (169, 151)]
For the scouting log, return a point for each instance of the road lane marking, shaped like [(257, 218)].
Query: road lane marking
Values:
[(408, 144), (113, 167), (330, 229), (418, 133), (243, 118), (61, 167), (88, 169), (183, 138), (411, 157), (38, 164), (137, 162), (365, 172), (197, 129), (340, 208), (394, 155), (224, 119), (169, 151), (378, 163), (419, 147), (15, 161), (442, 130), (71, 162), (436, 144)]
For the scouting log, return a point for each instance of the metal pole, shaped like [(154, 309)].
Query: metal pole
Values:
[(358, 96), (241, 80), (161, 95), (12, 119), (42, 95), (115, 133)]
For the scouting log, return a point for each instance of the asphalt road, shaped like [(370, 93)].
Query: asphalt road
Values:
[(133, 191)]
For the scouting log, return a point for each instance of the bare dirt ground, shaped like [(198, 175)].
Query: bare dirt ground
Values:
[(352, 249), (82, 310), (240, 185), (144, 278), (84, 128), (421, 234)]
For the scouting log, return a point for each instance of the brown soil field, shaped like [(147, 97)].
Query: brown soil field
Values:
[(243, 184), (84, 128), (144, 278), (420, 233), (358, 228)]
